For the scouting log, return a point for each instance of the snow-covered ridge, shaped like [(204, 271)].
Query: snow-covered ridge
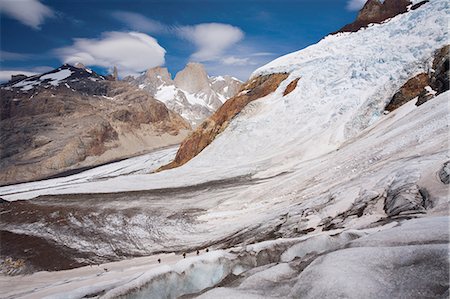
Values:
[(64, 74), (52, 79)]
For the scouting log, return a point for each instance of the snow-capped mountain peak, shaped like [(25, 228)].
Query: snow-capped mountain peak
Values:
[(192, 93), (66, 75)]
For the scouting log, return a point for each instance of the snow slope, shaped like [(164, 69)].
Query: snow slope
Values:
[(143, 164)]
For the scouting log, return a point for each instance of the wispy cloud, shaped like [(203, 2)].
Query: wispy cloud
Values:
[(355, 4), (29, 12), (131, 52), (263, 54), (211, 39), (5, 55), (232, 60), (139, 22)]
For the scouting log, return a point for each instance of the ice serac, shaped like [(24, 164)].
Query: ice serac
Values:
[(424, 86), (252, 90), (191, 93), (71, 118)]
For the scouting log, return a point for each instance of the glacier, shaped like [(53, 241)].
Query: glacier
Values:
[(290, 198)]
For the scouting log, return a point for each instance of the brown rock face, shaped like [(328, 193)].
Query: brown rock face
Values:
[(291, 87), (193, 78), (437, 79), (411, 89), (216, 123), (374, 11)]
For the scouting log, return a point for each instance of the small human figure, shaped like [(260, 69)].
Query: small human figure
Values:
[(207, 250), (198, 252), (159, 261), (184, 255)]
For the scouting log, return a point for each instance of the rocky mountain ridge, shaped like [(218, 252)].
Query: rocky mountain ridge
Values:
[(376, 11), (192, 93)]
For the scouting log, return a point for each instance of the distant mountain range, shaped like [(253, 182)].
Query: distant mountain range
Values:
[(72, 117), (192, 93)]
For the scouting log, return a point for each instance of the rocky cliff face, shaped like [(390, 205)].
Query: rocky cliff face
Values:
[(72, 118), (376, 11), (424, 86), (193, 78), (191, 93)]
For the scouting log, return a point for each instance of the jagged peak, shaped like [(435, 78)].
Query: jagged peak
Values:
[(159, 72), (192, 78)]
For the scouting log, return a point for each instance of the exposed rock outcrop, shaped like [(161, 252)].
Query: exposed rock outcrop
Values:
[(375, 11), (215, 124), (72, 118), (291, 87), (405, 199), (424, 86), (193, 78), (444, 173), (17, 78), (439, 77), (411, 89)]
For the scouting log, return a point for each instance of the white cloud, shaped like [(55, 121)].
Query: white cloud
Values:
[(355, 4), (211, 39), (139, 22), (232, 60), (131, 52), (29, 12), (263, 54)]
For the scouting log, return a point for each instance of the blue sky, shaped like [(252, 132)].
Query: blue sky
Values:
[(228, 37)]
